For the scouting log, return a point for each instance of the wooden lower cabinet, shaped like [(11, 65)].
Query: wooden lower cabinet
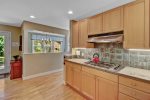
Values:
[(69, 75), (139, 95), (135, 84), (99, 85), (134, 88), (88, 85), (125, 97), (73, 75), (106, 89), (77, 79)]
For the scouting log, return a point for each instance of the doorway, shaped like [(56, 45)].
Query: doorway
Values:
[(5, 52)]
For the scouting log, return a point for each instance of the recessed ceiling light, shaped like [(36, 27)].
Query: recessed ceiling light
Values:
[(32, 16), (70, 12)]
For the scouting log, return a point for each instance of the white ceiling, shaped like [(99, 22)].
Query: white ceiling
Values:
[(52, 12)]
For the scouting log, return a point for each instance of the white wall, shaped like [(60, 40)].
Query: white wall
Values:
[(34, 64), (41, 63)]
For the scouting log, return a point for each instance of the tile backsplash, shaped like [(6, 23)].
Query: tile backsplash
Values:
[(114, 53)]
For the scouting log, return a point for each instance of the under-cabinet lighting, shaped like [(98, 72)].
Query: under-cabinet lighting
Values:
[(80, 48), (139, 49)]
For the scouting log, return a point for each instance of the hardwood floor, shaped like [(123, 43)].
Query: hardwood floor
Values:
[(50, 87)]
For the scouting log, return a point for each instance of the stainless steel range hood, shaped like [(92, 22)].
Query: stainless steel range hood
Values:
[(106, 38)]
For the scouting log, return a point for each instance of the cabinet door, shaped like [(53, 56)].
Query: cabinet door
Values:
[(136, 33), (83, 36), (69, 74), (113, 20), (77, 79), (75, 34), (95, 25), (107, 90), (106, 22), (116, 19), (88, 85), (125, 97)]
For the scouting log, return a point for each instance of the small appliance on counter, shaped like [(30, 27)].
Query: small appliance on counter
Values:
[(96, 58), (105, 65)]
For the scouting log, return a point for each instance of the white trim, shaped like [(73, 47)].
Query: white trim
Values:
[(42, 74)]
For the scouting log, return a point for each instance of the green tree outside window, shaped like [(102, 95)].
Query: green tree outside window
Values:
[(2, 48)]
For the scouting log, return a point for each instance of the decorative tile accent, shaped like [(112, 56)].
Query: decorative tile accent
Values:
[(114, 53)]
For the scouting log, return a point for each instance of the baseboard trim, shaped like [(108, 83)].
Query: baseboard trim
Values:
[(41, 74)]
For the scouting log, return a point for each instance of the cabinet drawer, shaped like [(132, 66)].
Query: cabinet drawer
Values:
[(145, 87), (91, 70), (125, 97), (86, 69), (134, 93), (109, 76), (106, 75)]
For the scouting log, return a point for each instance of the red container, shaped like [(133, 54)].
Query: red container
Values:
[(16, 69)]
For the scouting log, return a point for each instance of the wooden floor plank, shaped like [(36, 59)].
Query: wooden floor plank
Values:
[(48, 87)]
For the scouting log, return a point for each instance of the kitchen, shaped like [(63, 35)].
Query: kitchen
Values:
[(76, 50), (103, 48)]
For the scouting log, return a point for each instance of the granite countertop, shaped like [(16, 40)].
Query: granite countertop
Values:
[(137, 73), (82, 62), (79, 61)]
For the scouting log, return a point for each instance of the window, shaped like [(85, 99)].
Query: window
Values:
[(57, 46), (47, 46), (47, 43), (36, 46), (40, 46)]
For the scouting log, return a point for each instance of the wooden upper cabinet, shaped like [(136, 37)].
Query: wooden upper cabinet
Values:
[(136, 24), (79, 31), (95, 25), (75, 34), (83, 34), (106, 22), (113, 20)]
